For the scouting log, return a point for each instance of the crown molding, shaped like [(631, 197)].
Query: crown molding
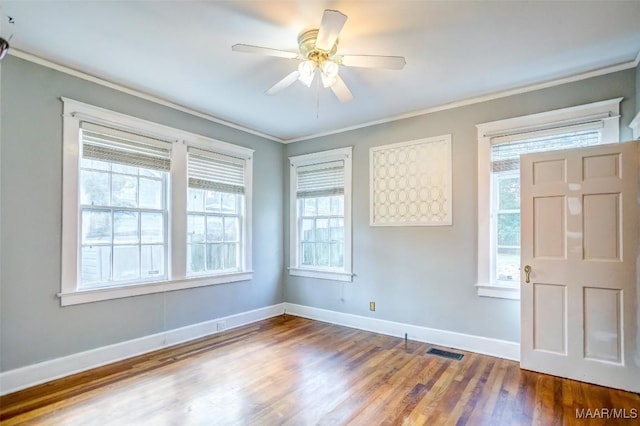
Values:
[(479, 99), (137, 93), (465, 102)]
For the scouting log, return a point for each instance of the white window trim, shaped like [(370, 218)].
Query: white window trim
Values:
[(73, 113), (608, 112), (346, 274)]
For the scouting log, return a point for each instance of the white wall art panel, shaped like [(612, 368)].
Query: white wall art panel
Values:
[(410, 183)]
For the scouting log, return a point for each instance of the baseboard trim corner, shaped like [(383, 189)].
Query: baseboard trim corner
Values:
[(451, 339), (35, 374)]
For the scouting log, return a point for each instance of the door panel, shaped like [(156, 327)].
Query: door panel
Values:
[(579, 229)]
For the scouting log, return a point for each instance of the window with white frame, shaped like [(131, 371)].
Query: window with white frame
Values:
[(500, 144), (321, 215), (149, 208)]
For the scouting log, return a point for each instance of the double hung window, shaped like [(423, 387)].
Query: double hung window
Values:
[(321, 215), (500, 145), (149, 208)]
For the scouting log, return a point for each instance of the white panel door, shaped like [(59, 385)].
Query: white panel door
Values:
[(580, 245)]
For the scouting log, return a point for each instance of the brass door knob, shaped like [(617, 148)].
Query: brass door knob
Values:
[(527, 273)]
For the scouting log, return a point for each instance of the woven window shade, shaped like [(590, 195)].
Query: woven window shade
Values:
[(317, 180), (215, 172), (116, 146), (506, 156)]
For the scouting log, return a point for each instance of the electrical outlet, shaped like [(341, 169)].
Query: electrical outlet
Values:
[(221, 325), (372, 306)]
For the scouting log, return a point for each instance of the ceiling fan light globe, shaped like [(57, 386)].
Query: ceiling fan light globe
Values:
[(328, 81), (330, 69), (307, 72)]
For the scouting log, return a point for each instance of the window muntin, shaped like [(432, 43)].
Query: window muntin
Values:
[(321, 230)]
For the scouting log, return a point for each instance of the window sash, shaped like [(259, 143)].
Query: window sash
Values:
[(215, 172)]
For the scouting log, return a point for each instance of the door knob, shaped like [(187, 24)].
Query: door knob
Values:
[(527, 273)]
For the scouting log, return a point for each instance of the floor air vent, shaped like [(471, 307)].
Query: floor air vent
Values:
[(445, 354)]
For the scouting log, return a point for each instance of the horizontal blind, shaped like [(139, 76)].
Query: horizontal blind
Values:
[(317, 180), (117, 146), (506, 156), (215, 172)]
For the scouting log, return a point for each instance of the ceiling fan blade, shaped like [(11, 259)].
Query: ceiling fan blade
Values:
[(373, 61), (330, 27), (284, 83), (247, 48), (341, 90)]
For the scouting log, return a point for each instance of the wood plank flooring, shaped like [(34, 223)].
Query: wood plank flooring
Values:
[(294, 371)]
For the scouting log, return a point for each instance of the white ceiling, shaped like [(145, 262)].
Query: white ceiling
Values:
[(180, 51)]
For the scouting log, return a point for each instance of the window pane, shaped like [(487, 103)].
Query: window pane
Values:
[(308, 230), (508, 264), (124, 191), (231, 256), (152, 225), (195, 258), (307, 254), (195, 200), (126, 263), (94, 188), (324, 206), (125, 227), (214, 228), (96, 226), (322, 230), (195, 228), (337, 230), (95, 264), (152, 262), (94, 164), (309, 206), (120, 168), (213, 201), (509, 229), (231, 229), (151, 173), (150, 194), (509, 193), (322, 254), (337, 205), (229, 203), (214, 256), (337, 255)]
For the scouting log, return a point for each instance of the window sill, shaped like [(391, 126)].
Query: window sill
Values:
[(96, 295), (498, 291), (323, 275)]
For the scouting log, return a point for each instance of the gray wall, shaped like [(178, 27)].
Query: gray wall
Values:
[(33, 326), (425, 275)]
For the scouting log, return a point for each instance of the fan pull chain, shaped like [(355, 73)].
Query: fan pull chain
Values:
[(318, 98)]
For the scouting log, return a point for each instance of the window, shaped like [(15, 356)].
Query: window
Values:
[(149, 208), (321, 215), (500, 145)]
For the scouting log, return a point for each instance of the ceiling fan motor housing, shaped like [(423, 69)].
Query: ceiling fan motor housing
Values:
[(307, 45)]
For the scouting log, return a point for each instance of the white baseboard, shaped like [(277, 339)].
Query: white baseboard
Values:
[(466, 342), (31, 375)]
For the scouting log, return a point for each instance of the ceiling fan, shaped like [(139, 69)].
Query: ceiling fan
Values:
[(318, 55)]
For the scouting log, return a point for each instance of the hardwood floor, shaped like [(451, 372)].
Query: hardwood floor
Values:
[(294, 371)]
